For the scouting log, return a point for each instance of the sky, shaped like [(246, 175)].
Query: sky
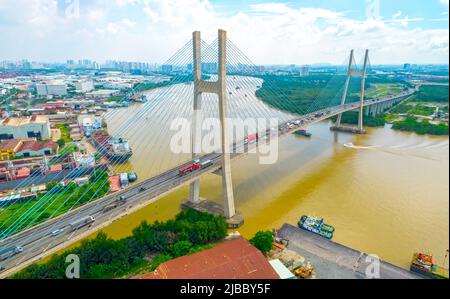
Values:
[(267, 31)]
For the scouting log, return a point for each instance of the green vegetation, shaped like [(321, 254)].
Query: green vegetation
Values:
[(114, 100), (58, 201), (391, 117), (311, 93), (352, 118), (140, 87), (69, 150), (412, 108), (432, 93), (383, 90), (423, 127), (263, 241), (65, 132), (61, 143), (38, 101), (103, 257)]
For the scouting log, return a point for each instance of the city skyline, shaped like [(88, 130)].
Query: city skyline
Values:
[(294, 32)]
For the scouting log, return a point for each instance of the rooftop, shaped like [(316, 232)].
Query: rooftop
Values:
[(235, 259), (22, 121), (20, 145)]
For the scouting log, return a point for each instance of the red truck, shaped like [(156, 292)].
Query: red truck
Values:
[(190, 168), (251, 138)]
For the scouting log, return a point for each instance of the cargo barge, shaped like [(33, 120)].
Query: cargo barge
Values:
[(117, 150), (425, 264), (316, 226)]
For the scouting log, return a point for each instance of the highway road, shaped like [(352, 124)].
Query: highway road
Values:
[(39, 242)]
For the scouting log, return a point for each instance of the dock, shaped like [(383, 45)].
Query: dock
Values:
[(335, 261)]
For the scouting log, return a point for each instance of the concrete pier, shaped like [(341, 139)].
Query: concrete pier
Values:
[(348, 129), (210, 207), (335, 261)]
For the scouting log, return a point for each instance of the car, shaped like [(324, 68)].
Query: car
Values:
[(142, 189), (57, 232)]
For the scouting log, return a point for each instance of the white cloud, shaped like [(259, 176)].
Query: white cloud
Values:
[(150, 30)]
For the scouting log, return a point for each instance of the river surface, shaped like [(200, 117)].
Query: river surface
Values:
[(386, 192)]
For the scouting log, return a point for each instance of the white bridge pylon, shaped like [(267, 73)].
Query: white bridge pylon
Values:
[(353, 73), (220, 88)]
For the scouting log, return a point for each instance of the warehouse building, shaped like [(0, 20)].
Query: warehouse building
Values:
[(51, 89), (26, 148), (234, 259), (25, 127)]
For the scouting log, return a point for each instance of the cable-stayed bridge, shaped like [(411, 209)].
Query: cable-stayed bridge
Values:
[(219, 85)]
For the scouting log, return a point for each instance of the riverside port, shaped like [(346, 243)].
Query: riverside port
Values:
[(335, 261)]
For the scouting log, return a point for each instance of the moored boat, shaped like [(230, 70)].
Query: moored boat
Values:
[(117, 150), (316, 226), (303, 133)]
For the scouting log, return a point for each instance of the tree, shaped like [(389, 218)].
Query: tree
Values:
[(181, 248), (51, 185), (61, 143), (263, 241)]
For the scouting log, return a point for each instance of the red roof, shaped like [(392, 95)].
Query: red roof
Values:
[(236, 259), (23, 173), (38, 146), (9, 144), (114, 182), (56, 168)]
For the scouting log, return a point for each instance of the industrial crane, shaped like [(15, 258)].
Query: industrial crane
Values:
[(8, 109)]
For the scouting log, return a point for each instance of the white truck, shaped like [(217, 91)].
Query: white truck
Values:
[(10, 252), (82, 223)]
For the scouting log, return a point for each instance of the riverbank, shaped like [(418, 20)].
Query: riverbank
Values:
[(148, 246)]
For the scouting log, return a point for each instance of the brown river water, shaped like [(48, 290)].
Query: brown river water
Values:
[(386, 192)]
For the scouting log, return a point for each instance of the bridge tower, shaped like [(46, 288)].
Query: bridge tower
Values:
[(353, 73), (220, 88)]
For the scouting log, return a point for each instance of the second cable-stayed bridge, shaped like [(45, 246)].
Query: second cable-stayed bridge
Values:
[(40, 241)]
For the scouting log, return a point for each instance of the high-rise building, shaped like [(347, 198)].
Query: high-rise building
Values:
[(167, 69), (304, 71)]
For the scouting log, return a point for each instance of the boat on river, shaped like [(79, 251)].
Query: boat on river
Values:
[(316, 226)]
